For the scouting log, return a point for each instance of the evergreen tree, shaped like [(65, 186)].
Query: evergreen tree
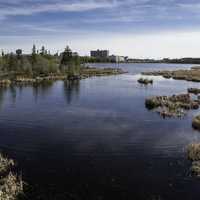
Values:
[(33, 55), (12, 62), (66, 56), (43, 51), (19, 53)]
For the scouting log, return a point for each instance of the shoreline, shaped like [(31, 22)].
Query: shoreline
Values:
[(192, 74), (170, 108), (86, 72)]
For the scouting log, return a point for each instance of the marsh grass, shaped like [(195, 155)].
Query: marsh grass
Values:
[(11, 185)]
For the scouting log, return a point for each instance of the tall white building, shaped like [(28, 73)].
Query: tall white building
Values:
[(117, 59)]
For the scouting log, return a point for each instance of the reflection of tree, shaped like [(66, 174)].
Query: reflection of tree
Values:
[(71, 89), (2, 94), (13, 93), (41, 89)]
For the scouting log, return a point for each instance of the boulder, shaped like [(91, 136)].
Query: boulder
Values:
[(196, 122)]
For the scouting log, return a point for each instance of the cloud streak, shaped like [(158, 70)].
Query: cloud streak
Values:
[(75, 20), (53, 6)]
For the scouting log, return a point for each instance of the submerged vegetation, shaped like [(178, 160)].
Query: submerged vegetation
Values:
[(11, 186), (41, 65)]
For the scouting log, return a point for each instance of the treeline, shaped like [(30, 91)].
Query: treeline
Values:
[(40, 62), (167, 60), (182, 60)]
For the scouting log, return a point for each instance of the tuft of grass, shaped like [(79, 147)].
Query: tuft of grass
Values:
[(193, 152), (11, 185)]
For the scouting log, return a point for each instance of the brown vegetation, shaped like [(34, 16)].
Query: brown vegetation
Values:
[(192, 74), (10, 184), (172, 106), (193, 153)]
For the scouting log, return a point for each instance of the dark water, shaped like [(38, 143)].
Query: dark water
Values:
[(94, 140)]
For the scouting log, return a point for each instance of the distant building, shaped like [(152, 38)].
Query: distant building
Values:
[(117, 59), (99, 54)]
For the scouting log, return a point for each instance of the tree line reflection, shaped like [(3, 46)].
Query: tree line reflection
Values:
[(71, 90)]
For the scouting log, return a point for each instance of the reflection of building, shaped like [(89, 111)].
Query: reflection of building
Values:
[(100, 54), (117, 59)]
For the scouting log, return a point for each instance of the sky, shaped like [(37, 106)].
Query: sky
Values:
[(134, 28)]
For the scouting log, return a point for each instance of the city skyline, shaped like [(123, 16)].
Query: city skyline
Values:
[(139, 28)]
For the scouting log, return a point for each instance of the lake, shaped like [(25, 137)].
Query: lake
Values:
[(95, 140)]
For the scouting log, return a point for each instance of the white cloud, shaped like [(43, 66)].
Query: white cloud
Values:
[(56, 6), (154, 45)]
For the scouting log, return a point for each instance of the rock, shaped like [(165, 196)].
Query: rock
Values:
[(196, 122), (145, 81)]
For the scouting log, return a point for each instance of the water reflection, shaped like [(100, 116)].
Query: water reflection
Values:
[(71, 90), (13, 94), (107, 147), (42, 90), (2, 96)]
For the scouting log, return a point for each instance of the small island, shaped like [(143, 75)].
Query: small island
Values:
[(145, 81), (172, 106), (192, 74)]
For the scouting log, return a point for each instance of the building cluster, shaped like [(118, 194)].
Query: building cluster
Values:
[(104, 55)]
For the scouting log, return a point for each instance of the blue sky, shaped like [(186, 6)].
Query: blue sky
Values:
[(137, 28)]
